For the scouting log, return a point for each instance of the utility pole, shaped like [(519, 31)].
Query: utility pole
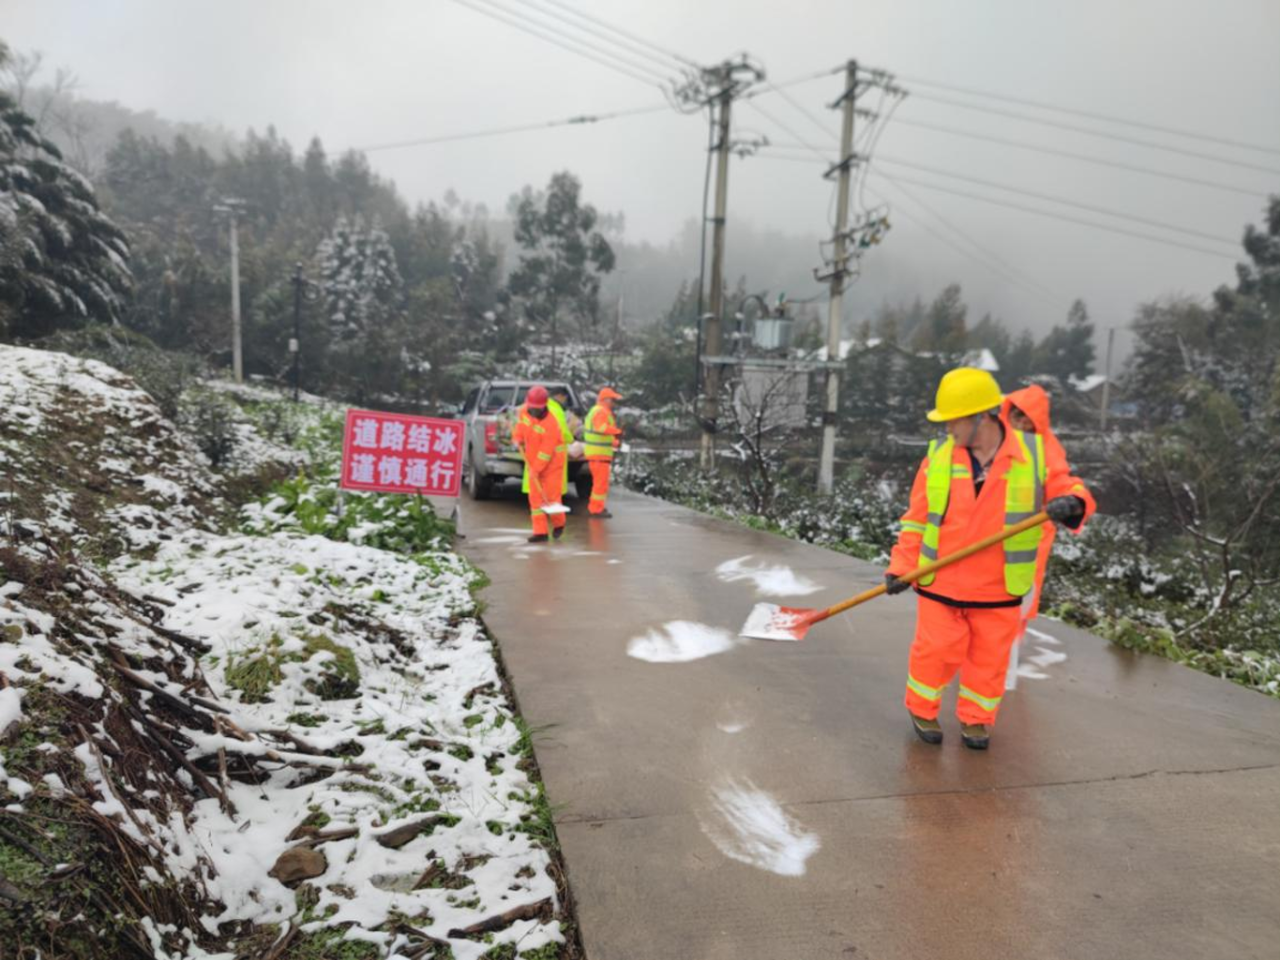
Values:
[(835, 305), (716, 88), (849, 243), (231, 207), (1106, 380), (715, 309)]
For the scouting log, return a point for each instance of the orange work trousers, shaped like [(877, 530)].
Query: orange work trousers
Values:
[(545, 488), (600, 470), (972, 640)]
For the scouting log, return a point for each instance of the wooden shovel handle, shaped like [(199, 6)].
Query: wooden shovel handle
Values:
[(928, 568)]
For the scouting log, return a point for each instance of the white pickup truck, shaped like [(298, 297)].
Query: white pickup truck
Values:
[(489, 457)]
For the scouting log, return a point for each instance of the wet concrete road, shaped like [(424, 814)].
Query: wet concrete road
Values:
[(769, 802)]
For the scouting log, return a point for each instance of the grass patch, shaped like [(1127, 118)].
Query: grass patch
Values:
[(258, 670)]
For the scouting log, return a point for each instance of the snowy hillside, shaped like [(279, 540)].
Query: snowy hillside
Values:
[(252, 742)]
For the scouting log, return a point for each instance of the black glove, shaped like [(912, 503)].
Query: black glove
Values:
[(1067, 510), (893, 585)]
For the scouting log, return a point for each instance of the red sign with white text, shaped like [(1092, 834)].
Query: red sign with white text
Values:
[(397, 453)]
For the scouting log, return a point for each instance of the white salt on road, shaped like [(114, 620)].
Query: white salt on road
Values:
[(746, 824), (679, 641), (770, 581)]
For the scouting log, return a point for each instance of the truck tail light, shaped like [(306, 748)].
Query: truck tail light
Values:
[(491, 438)]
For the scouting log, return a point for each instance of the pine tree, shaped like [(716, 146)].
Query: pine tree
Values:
[(1067, 351), (62, 261), (360, 280)]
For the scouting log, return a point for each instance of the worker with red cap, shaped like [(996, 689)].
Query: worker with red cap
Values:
[(984, 477), (542, 446), (600, 438)]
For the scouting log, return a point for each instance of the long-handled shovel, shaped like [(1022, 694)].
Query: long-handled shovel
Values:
[(550, 509), (768, 621)]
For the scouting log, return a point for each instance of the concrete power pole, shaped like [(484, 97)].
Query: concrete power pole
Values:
[(835, 315), (715, 305)]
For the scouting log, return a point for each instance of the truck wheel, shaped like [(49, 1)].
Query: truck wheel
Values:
[(480, 487)]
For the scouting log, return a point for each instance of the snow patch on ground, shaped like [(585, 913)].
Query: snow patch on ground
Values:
[(748, 825), (435, 737), (769, 580), (679, 641), (1033, 665)]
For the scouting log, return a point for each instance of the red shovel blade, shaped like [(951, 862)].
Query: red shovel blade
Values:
[(768, 621)]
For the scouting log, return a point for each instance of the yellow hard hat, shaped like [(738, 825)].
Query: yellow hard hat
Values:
[(963, 392)]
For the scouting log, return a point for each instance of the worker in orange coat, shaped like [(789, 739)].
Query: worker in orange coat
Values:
[(601, 437), (542, 445), (985, 476), (1028, 410)]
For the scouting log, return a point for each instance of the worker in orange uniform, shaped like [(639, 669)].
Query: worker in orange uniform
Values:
[(1028, 410), (542, 445), (600, 438), (986, 475)]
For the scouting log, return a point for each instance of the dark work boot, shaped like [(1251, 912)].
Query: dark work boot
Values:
[(602, 515), (538, 538), (930, 731), (558, 532), (975, 735)]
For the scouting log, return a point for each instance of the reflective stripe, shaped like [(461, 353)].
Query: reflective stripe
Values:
[(539, 429), (923, 689), (928, 551), (912, 526), (1017, 516), (935, 519), (544, 456), (1033, 448), (599, 496), (1021, 556), (987, 703)]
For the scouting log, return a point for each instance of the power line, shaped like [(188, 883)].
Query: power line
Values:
[(768, 116), (580, 120), (773, 87), (1062, 200), (826, 131), (495, 15), (1135, 218), (1064, 217), (1084, 158), (665, 60), (1040, 104), (1096, 133), (871, 147), (991, 264), (624, 33), (556, 27)]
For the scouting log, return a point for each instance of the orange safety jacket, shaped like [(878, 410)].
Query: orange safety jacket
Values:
[(1034, 402), (968, 518), (600, 433), (541, 441)]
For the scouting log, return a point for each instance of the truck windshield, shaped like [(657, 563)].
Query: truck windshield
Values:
[(497, 398)]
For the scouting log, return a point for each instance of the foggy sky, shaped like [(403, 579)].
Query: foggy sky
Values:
[(379, 71)]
